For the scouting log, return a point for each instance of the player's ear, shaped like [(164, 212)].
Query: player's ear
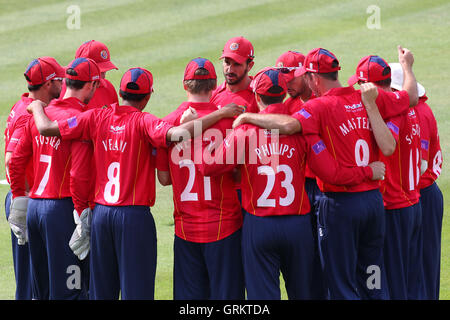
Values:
[(250, 65)]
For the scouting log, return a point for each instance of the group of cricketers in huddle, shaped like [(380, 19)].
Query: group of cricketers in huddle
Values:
[(286, 170)]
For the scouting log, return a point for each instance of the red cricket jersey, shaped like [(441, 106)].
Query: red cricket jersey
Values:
[(223, 96), (61, 168), (399, 188), (104, 95), (294, 105), (273, 167), (430, 145), (15, 123), (123, 138), (206, 208), (340, 118)]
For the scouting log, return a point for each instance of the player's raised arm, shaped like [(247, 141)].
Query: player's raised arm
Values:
[(193, 128), (406, 59), (284, 123), (45, 126), (383, 135)]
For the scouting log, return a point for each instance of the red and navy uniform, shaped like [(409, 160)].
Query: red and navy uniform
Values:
[(61, 180), (208, 218), (339, 117), (403, 242), (21, 258), (431, 199), (277, 233), (123, 234)]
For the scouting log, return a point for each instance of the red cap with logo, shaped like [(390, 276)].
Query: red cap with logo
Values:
[(199, 63), (370, 69), (239, 49), (85, 69), (43, 69), (268, 82), (319, 60), (137, 81), (98, 52), (288, 62)]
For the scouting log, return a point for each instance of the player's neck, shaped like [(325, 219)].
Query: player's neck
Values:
[(79, 94), (306, 95), (192, 97), (328, 85), (40, 95), (241, 85)]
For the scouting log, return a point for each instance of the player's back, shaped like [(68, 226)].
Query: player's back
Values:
[(400, 187), (123, 155), (273, 176), (206, 207), (51, 155), (345, 128), (430, 144)]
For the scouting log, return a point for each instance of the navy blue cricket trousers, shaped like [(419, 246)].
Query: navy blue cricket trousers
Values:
[(319, 291), (57, 273), (432, 203), (123, 253), (403, 257), (273, 244), (351, 236), (21, 261), (210, 270)]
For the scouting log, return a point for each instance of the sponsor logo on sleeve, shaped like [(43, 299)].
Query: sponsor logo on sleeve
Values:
[(304, 113), (72, 122), (392, 127), (424, 144), (319, 147)]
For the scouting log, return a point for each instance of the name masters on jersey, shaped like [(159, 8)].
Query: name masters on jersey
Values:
[(354, 123)]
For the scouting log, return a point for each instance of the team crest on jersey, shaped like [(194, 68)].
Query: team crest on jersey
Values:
[(117, 129), (234, 46), (104, 54)]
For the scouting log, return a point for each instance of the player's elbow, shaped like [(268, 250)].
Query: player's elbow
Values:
[(290, 126), (388, 149)]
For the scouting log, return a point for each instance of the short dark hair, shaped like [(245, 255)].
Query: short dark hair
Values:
[(34, 87), (333, 76), (268, 100), (74, 84), (132, 96), (197, 86), (383, 83)]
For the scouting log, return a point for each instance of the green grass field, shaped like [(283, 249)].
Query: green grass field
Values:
[(163, 36)]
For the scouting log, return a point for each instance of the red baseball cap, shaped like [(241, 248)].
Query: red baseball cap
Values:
[(288, 62), (371, 69), (319, 60), (239, 49), (43, 69), (137, 81), (86, 70), (269, 78), (199, 63), (98, 52)]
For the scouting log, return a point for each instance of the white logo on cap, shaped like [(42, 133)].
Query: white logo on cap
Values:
[(234, 46), (50, 76), (104, 54)]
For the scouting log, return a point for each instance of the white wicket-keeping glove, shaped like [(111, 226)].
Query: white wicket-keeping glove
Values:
[(79, 242), (18, 218)]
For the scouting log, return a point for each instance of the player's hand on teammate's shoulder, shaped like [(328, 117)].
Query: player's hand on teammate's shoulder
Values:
[(188, 115), (378, 170), (231, 110), (36, 104), (369, 93)]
